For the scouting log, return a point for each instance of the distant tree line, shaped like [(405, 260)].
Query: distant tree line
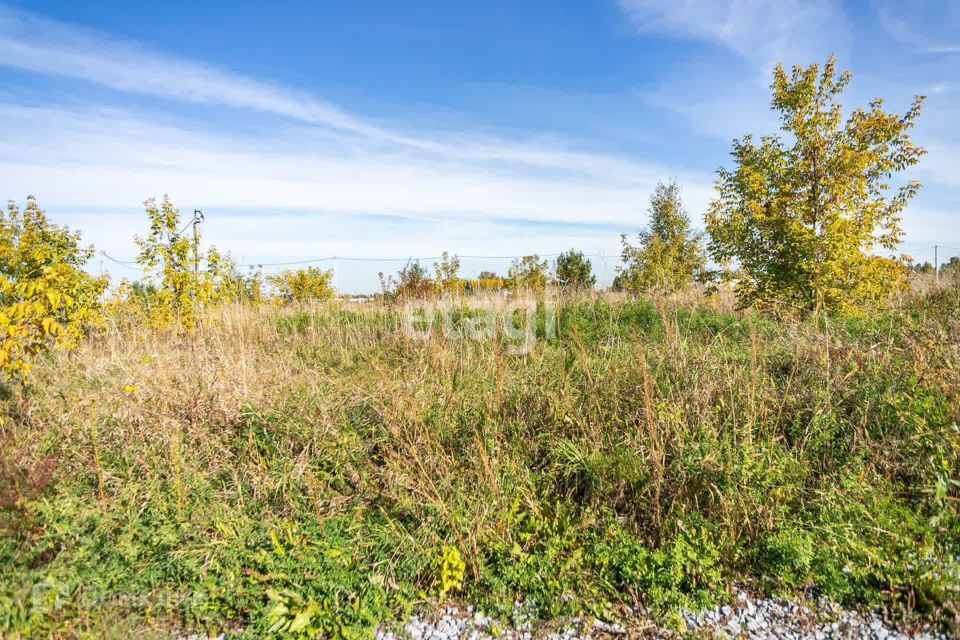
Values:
[(802, 224)]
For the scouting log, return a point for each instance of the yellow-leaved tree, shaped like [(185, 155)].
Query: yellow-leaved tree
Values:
[(175, 286), (807, 218), (303, 285), (47, 300)]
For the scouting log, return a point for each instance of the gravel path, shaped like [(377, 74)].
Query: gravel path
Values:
[(746, 617), (751, 617), (464, 624)]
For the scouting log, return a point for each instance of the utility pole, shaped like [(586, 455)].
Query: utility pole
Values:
[(197, 219), (936, 265)]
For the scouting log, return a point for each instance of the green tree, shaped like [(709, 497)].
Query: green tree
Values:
[(302, 285), (47, 300), (617, 284), (805, 217), (412, 281), (669, 255), (574, 271), (529, 273), (951, 268)]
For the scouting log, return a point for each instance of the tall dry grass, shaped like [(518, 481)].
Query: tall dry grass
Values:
[(649, 452)]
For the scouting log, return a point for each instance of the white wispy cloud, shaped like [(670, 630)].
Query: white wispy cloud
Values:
[(37, 44), (306, 180), (306, 192), (715, 102), (325, 161), (724, 98), (57, 49), (765, 32), (925, 26), (113, 158), (319, 180)]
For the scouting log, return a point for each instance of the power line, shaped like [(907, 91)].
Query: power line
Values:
[(601, 256), (374, 259), (404, 259), (129, 265), (285, 264)]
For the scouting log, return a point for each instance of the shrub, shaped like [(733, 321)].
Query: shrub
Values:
[(412, 281), (47, 300), (302, 285)]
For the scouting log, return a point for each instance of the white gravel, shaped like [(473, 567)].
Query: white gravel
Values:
[(750, 617), (747, 617), (454, 623)]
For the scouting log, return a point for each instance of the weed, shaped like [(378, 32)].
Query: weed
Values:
[(313, 471)]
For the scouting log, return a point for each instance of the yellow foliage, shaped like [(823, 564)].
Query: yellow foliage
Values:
[(301, 285), (529, 273), (178, 288), (806, 218), (450, 571), (47, 301)]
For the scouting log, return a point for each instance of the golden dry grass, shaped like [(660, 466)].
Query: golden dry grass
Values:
[(655, 452)]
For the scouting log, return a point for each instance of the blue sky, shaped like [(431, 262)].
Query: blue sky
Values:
[(403, 129)]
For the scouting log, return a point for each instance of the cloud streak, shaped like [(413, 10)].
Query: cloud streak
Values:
[(911, 24), (112, 158), (757, 30), (54, 48), (59, 49), (326, 162), (313, 181)]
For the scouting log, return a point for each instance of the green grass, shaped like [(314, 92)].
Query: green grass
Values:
[(306, 472)]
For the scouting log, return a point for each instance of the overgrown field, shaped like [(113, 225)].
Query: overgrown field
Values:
[(316, 470)]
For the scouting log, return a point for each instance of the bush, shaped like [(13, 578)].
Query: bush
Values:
[(646, 455), (302, 285), (412, 282), (47, 300)]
